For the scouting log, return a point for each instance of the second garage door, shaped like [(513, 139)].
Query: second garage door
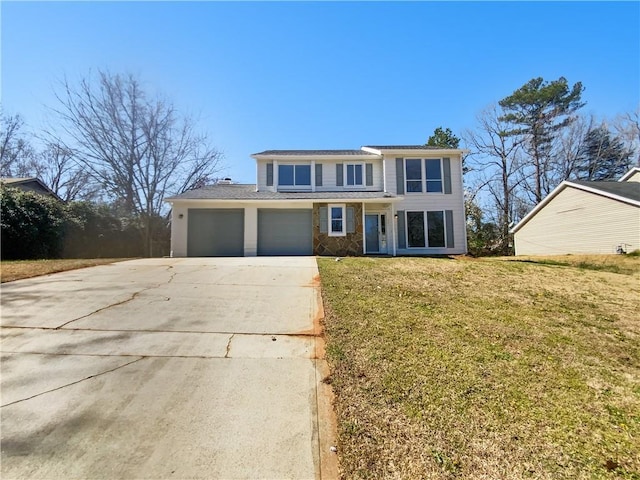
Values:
[(284, 232)]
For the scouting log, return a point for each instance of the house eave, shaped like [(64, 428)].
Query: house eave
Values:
[(289, 158)]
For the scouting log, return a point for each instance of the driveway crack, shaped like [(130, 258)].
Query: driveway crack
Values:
[(226, 355), (73, 383), (132, 297)]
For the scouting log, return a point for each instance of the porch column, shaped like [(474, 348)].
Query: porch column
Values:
[(364, 231)]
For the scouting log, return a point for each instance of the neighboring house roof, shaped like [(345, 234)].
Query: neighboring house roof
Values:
[(626, 192), (248, 192), (629, 174), (29, 184)]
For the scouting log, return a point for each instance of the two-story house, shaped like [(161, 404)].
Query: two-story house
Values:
[(392, 200)]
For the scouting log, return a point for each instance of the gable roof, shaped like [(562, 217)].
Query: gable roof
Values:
[(248, 192), (32, 184), (626, 192), (629, 174)]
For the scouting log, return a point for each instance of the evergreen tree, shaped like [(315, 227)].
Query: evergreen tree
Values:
[(443, 139), (539, 110)]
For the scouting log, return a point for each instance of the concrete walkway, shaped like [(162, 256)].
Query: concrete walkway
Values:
[(166, 369)]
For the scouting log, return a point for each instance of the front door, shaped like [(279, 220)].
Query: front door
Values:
[(372, 232)]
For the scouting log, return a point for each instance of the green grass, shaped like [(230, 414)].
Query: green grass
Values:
[(485, 368)]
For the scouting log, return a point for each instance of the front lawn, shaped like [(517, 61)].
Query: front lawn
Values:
[(490, 368), (11, 270)]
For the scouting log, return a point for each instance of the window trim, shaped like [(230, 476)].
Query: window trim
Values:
[(343, 219), (424, 182), (425, 219), (363, 175)]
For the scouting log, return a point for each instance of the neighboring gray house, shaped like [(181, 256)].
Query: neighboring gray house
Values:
[(583, 217), (404, 199), (29, 184)]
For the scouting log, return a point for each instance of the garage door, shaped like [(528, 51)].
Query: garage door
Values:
[(284, 232), (215, 232)]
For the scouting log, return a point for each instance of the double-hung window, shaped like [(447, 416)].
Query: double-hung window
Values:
[(421, 234), (423, 175), (337, 220), (414, 174), (354, 175), (433, 170), (294, 175)]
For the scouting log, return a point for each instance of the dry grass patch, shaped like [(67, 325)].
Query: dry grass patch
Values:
[(19, 269), (489, 368)]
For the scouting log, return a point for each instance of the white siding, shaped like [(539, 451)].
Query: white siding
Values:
[(262, 175), (575, 221), (434, 202)]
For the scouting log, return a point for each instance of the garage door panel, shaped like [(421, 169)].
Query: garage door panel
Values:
[(284, 232), (215, 232)]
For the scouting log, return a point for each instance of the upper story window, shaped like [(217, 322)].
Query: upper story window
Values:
[(423, 175), (354, 175), (294, 175)]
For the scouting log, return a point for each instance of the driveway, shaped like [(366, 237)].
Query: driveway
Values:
[(166, 368)]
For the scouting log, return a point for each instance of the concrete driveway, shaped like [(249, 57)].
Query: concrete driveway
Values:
[(166, 368)]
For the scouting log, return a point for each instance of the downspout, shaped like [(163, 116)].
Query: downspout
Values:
[(394, 215)]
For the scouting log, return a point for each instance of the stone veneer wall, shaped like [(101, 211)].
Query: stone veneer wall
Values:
[(349, 245)]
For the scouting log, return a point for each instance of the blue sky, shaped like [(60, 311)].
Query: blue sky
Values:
[(291, 75)]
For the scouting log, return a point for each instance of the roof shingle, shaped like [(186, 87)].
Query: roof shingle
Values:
[(630, 190), (314, 152)]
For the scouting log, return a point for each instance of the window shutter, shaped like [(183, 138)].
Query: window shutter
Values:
[(351, 220), (399, 176), (339, 175), (318, 174), (402, 241), (324, 222), (448, 222), (269, 174), (446, 174), (369, 174)]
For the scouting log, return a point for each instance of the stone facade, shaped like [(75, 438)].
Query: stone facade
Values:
[(349, 245)]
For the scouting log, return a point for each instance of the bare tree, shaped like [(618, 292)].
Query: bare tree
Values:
[(16, 153), (58, 168), (627, 126), (495, 157), (137, 148), (567, 150)]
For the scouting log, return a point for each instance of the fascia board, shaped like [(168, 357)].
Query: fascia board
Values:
[(630, 173)]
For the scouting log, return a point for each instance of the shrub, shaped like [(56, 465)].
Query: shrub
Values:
[(32, 225)]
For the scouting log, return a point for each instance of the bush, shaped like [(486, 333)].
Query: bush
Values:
[(38, 226), (32, 225)]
